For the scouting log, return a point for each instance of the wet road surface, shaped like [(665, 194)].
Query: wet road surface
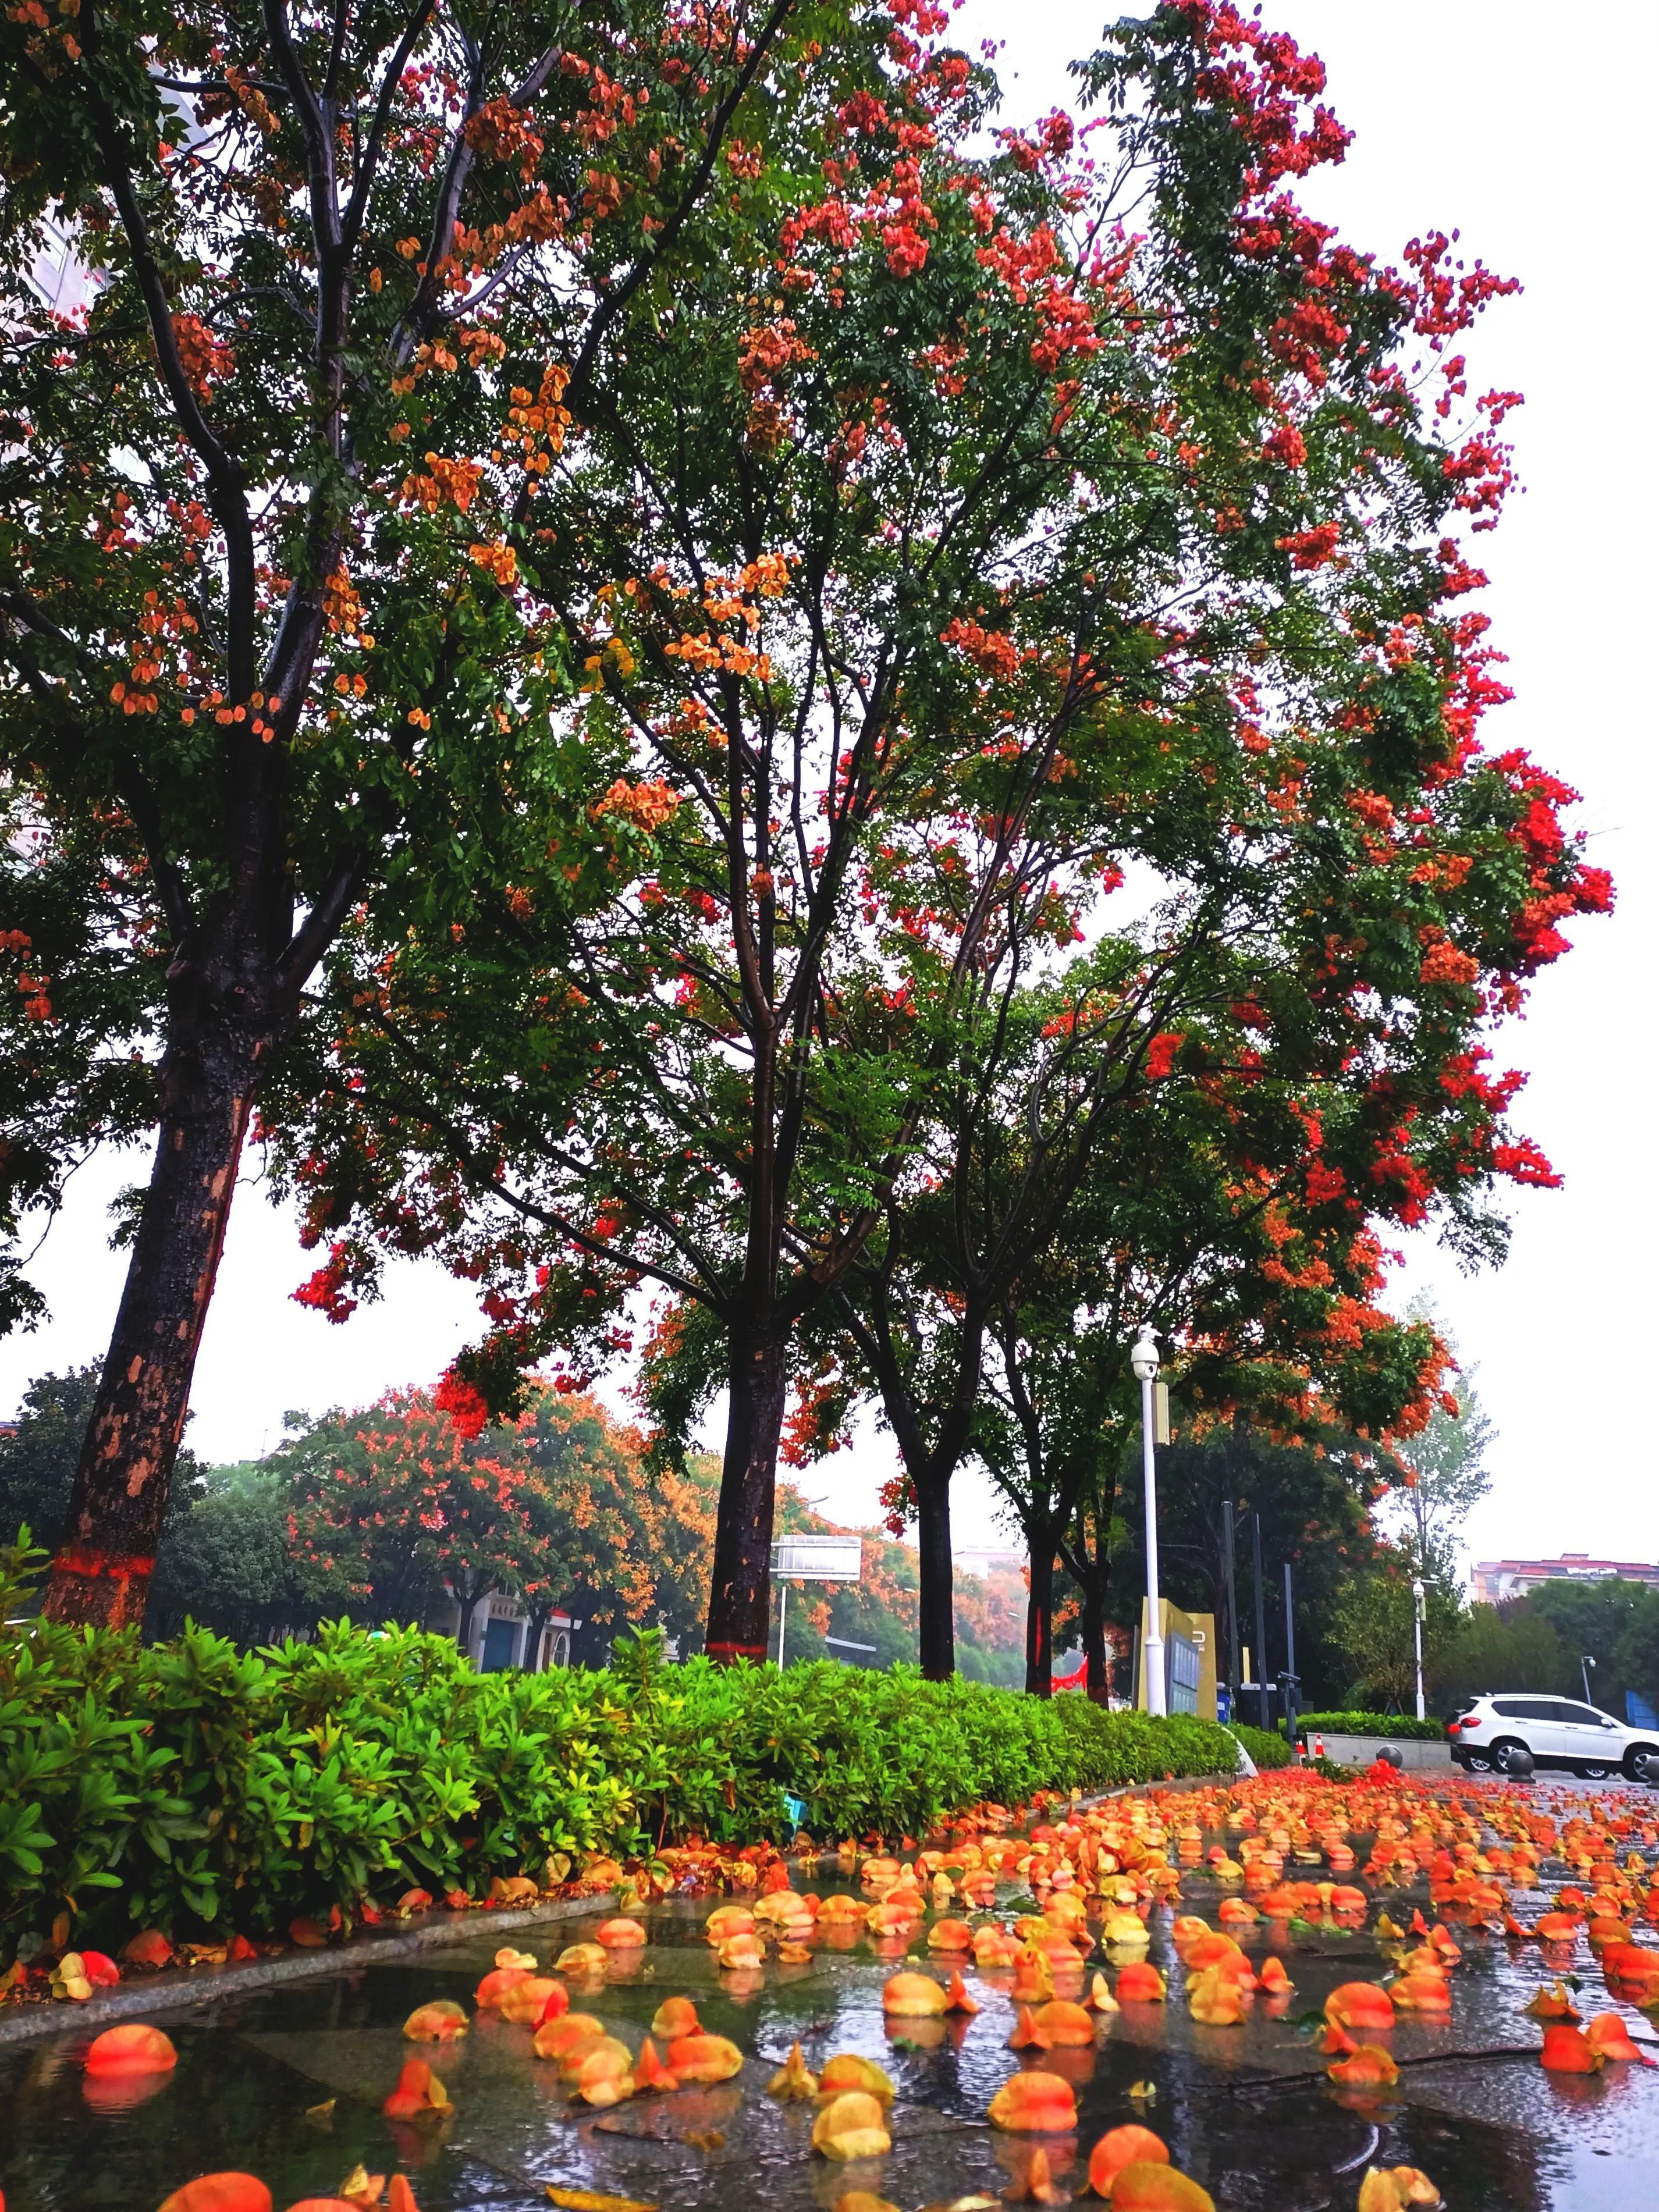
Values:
[(1246, 2111)]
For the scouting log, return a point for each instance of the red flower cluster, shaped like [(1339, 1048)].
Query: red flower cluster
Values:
[(1161, 1054), (1264, 99), (464, 1406), (1311, 549), (324, 1292)]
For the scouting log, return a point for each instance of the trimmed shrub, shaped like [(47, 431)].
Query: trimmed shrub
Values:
[(1263, 1746), (188, 1786), (1408, 1729)]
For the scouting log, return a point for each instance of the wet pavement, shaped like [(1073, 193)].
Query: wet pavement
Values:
[(287, 2082)]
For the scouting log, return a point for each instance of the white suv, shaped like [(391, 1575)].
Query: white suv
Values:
[(1558, 1732)]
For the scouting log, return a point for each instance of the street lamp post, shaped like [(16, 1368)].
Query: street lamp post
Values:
[(1585, 1664), (1417, 1632), (1143, 1358)]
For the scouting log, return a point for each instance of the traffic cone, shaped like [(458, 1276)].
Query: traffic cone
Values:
[(1319, 1746)]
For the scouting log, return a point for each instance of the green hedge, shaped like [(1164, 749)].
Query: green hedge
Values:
[(192, 1787), (1266, 1748), (1410, 1730)]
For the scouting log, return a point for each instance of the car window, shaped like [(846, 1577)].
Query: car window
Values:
[(1512, 1709), (1583, 1716)]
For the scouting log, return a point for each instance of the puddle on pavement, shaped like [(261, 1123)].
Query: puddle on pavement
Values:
[(1245, 2110)]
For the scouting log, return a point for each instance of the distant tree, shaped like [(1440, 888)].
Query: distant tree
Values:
[(391, 1507), (1314, 1500), (1053, 1411), (685, 1548), (1611, 1622), (882, 1609), (226, 1560), (1371, 1626), (593, 1525), (1289, 1374), (39, 1458), (1636, 1655), (1445, 1471), (1490, 1653)]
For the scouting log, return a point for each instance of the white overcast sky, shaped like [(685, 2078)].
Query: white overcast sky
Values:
[(1474, 114)]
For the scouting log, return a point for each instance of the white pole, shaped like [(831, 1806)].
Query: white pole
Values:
[(1417, 1632), (783, 1608), (1152, 1648)]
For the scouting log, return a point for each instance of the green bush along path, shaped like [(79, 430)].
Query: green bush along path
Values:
[(191, 1787), (1406, 1726)]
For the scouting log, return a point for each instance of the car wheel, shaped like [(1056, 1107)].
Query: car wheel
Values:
[(1592, 1774), (1642, 1764), (1477, 1762), (1503, 1754)]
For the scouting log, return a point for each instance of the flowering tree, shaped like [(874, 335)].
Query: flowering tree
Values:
[(392, 1506), (299, 304), (1294, 1007), (1034, 683), (601, 1538), (1191, 1214)]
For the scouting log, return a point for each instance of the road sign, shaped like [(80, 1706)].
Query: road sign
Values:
[(813, 1560), (819, 1559)]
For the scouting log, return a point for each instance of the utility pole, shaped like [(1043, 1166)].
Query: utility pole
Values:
[(1290, 1683), (1263, 1713), (1230, 1588), (1143, 1358), (1417, 1637)]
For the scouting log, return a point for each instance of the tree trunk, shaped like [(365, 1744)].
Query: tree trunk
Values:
[(1094, 1638), (1090, 1568), (1040, 1617), (740, 1592), (467, 1601), (101, 1574), (937, 1636)]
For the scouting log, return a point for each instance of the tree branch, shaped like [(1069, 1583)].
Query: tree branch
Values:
[(615, 300)]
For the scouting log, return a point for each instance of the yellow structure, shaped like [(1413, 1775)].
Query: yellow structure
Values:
[(1188, 1659)]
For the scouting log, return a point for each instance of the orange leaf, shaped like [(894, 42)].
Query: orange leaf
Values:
[(1361, 2005), (1570, 2050), (1120, 2147), (650, 2073), (1033, 2104), (1149, 2187), (704, 2059), (131, 2050), (419, 2095), (853, 2125), (1608, 2034), (220, 2192), (1370, 2068)]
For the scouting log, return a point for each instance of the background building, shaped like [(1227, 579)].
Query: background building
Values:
[(1496, 1581)]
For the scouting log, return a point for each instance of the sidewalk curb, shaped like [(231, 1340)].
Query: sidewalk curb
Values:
[(200, 1985)]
